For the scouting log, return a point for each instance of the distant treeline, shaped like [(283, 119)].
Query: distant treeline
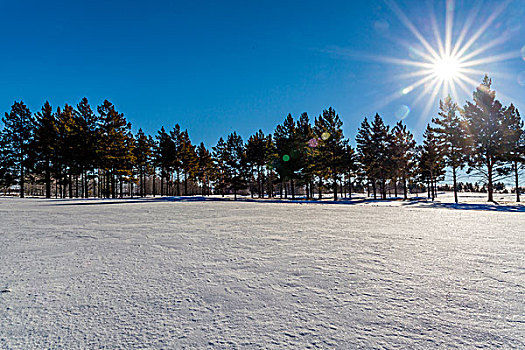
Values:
[(79, 152)]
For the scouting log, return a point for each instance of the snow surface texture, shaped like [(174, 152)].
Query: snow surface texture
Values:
[(157, 274)]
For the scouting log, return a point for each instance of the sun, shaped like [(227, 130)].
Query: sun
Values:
[(445, 65), (447, 69)]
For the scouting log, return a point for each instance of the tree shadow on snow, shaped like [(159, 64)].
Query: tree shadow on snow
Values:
[(473, 206), (420, 202)]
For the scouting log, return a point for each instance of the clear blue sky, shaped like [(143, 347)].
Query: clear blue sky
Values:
[(215, 67)]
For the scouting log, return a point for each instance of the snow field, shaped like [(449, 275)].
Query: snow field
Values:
[(159, 274)]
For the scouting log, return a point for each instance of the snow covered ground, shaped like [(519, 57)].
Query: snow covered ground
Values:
[(130, 274)]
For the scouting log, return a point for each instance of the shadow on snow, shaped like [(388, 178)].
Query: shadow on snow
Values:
[(422, 202)]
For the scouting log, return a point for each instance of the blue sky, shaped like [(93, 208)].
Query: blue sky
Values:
[(215, 67)]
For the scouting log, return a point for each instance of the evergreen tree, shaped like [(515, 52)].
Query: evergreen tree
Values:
[(366, 153), (349, 165), (115, 146), (256, 158), (204, 168), (235, 162), (177, 138), (452, 136), (331, 149), (89, 124), (516, 138), (403, 147), (289, 154), (165, 155), (7, 165), (431, 162), (382, 158), (308, 144), (143, 153), (220, 157), (16, 136), (189, 159), (45, 139), (488, 128)]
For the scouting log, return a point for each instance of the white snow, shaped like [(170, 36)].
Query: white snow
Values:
[(79, 274)]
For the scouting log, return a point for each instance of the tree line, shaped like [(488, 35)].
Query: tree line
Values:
[(81, 152)]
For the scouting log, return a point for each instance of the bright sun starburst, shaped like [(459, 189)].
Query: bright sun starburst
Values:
[(451, 63), (446, 68)]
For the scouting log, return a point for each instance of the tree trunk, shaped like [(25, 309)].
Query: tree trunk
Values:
[(319, 189), (292, 188), (432, 185), (455, 184), (395, 187), (48, 180), (22, 175), (405, 192), (516, 179), (490, 188), (335, 188)]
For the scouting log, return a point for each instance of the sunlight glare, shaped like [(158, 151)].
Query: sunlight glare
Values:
[(446, 68)]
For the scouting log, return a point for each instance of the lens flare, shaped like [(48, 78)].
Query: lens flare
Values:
[(313, 143), (325, 136), (521, 78), (402, 112)]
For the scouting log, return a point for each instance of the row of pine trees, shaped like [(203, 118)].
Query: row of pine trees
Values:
[(80, 152)]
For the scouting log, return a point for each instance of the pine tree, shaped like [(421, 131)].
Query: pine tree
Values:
[(288, 162), (256, 158), (188, 158), (89, 135), (453, 138), (17, 135), (515, 135), (177, 138), (204, 168), (7, 165), (382, 159), (143, 153), (431, 162), (45, 143), (403, 147), (487, 127), (219, 158), (115, 146), (308, 144), (349, 165), (366, 153), (236, 165), (331, 148), (165, 155)]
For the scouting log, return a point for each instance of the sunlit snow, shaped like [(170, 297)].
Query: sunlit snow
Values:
[(77, 274)]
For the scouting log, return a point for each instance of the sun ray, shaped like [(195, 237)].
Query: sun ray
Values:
[(448, 26), (465, 29), (463, 87), (492, 59), (455, 95), (482, 29), (411, 27), (448, 67), (437, 35), (417, 73), (430, 102), (504, 37)]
